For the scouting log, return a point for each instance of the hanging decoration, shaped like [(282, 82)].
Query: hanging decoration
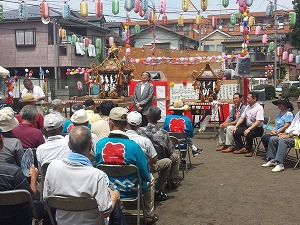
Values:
[(265, 39), (249, 3), (86, 42), (292, 18), (23, 11), (152, 17), (45, 11), (291, 58), (165, 20), (146, 16), (251, 21), (284, 56), (145, 5), (99, 8), (257, 31), (136, 6), (98, 43), (241, 3), (162, 6), (180, 21), (115, 7), (269, 71), (298, 59), (279, 51), (214, 22), (232, 19), (84, 8), (137, 29), (1, 11), (141, 11), (270, 10), (62, 33), (272, 46), (244, 26), (203, 4), (9, 82), (185, 5), (128, 5), (198, 19), (225, 3), (73, 39), (65, 10)]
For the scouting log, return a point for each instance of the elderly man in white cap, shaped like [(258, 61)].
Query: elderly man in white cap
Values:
[(58, 107), (162, 166), (56, 146)]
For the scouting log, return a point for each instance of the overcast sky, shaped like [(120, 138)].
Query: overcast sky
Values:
[(173, 7)]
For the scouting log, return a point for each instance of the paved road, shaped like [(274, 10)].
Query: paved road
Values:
[(232, 189)]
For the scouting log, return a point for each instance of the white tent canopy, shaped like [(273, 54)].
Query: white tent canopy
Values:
[(4, 72)]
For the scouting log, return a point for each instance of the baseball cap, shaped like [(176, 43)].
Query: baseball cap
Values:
[(79, 117), (89, 102), (53, 121), (77, 106), (118, 113), (134, 118), (57, 102)]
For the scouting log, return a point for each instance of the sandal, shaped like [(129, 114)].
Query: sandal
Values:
[(151, 219)]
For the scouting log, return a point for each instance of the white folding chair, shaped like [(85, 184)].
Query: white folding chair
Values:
[(69, 204), (124, 171), (14, 197)]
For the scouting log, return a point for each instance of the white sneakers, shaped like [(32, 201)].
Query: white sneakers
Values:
[(277, 167), (269, 164)]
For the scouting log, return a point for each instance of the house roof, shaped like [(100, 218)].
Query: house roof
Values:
[(253, 38), (34, 13), (216, 31), (162, 28)]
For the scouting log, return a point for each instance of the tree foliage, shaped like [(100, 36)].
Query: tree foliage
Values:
[(294, 35)]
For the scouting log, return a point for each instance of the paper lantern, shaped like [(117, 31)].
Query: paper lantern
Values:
[(232, 19), (241, 9), (1, 11), (137, 29), (203, 4), (65, 11), (136, 6), (214, 22), (249, 3), (198, 19), (99, 8), (162, 6), (23, 11), (180, 21), (292, 18), (111, 40), (86, 42), (225, 3), (298, 59), (284, 55), (279, 51), (145, 5), (98, 43), (128, 5), (146, 16), (115, 7), (141, 11), (241, 3), (241, 28), (291, 58), (185, 5), (84, 8), (165, 20), (270, 10), (265, 39), (251, 21), (272, 46), (62, 33), (73, 39), (45, 11), (257, 30)]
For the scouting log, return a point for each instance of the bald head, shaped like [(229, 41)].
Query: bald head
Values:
[(80, 139)]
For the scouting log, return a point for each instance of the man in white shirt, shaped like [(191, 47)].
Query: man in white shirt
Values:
[(37, 92), (162, 166), (56, 146), (279, 145)]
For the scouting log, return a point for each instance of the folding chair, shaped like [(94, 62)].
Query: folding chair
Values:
[(177, 146), (124, 171), (14, 197), (257, 140), (184, 145), (69, 204)]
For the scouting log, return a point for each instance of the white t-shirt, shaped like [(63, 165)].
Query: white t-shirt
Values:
[(55, 147), (36, 91), (144, 142), (69, 178)]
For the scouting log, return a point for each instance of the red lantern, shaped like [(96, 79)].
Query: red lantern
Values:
[(99, 8), (45, 12), (86, 42), (142, 13), (165, 20), (214, 21), (184, 83)]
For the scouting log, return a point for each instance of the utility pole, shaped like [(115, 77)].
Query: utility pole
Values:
[(55, 51), (275, 41)]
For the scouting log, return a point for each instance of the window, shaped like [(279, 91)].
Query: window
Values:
[(209, 48), (220, 48), (25, 37), (62, 50)]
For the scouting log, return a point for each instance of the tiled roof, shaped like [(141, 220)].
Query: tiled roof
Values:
[(253, 38)]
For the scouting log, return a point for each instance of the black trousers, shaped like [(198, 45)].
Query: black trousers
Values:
[(237, 136)]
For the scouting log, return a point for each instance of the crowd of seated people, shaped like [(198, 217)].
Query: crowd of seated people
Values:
[(74, 148)]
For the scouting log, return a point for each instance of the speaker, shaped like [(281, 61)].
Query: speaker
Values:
[(244, 66)]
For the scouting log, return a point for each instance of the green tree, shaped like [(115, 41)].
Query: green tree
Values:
[(294, 35)]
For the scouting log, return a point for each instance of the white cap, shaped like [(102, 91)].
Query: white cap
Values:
[(134, 118), (80, 116)]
